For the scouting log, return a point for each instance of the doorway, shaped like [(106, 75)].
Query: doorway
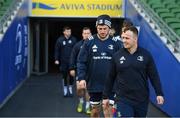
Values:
[(45, 31)]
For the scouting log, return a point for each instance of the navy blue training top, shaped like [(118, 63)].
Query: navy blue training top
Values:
[(131, 72), (63, 49), (74, 54), (94, 61)]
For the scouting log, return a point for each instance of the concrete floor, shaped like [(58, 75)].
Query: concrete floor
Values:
[(41, 96)]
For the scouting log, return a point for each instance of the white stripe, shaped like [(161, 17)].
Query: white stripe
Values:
[(107, 23), (95, 103), (111, 102)]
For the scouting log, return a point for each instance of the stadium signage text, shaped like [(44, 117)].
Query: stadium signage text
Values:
[(78, 8)]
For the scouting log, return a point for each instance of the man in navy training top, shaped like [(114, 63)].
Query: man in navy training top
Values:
[(81, 92), (131, 67), (126, 23), (94, 61), (63, 48)]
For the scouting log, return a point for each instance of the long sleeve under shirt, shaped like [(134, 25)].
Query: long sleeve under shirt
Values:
[(74, 54), (94, 61), (131, 72)]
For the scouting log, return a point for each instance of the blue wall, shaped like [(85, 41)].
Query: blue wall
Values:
[(13, 51), (167, 65)]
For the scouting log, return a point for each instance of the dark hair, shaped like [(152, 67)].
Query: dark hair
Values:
[(133, 29), (86, 28), (127, 23), (66, 28)]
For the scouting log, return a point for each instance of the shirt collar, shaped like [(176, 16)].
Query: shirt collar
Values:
[(138, 49)]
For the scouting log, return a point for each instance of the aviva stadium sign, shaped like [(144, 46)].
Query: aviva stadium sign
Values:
[(76, 8)]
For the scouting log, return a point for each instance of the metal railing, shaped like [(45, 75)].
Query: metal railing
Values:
[(7, 14), (163, 26)]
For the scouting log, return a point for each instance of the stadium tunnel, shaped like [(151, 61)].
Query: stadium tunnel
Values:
[(45, 31)]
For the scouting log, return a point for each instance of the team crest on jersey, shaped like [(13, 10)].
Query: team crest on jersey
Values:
[(111, 47), (122, 59), (70, 41), (103, 53), (94, 48), (140, 58), (64, 42)]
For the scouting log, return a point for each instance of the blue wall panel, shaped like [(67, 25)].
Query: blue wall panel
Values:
[(13, 51), (167, 65)]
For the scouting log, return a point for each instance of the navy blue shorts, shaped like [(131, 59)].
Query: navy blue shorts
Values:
[(96, 98), (126, 109)]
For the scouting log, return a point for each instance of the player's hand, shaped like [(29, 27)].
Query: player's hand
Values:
[(72, 73), (56, 62), (160, 100), (82, 84)]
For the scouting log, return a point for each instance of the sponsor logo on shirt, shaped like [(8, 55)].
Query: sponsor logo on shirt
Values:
[(94, 48), (102, 56), (122, 59)]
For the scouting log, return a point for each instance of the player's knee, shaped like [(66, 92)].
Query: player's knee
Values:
[(95, 110), (104, 106)]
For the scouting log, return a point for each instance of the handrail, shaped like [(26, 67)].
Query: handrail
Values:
[(7, 15), (165, 29)]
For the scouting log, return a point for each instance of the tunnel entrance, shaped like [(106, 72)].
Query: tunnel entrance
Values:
[(43, 35)]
